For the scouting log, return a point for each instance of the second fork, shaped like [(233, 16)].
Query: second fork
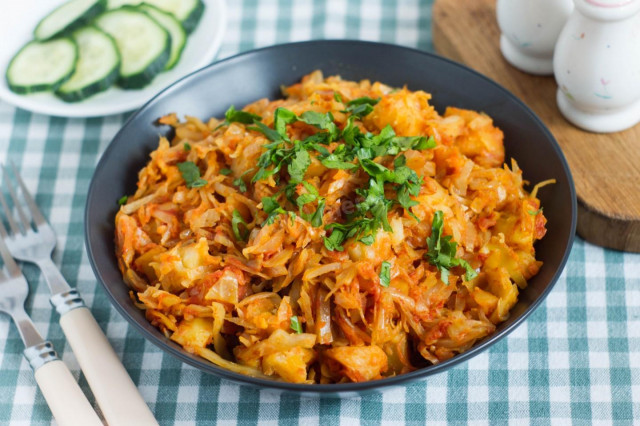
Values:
[(115, 392)]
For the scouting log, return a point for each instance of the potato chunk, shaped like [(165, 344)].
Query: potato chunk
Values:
[(195, 333), (361, 363), (291, 365), (179, 267)]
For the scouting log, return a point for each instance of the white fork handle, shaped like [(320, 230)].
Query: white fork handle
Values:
[(115, 392), (68, 404)]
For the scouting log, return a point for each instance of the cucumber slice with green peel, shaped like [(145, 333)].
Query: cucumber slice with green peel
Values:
[(191, 20), (66, 18), (97, 68), (144, 45), (114, 4), (42, 65), (188, 12), (173, 26)]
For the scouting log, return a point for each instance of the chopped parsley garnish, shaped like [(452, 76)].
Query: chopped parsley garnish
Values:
[(271, 134), (123, 200), (240, 184), (272, 209), (295, 324), (334, 241), (337, 96), (385, 274), (311, 196), (333, 161), (234, 116), (321, 121), (442, 251), (186, 146), (225, 172), (359, 151), (282, 117), (535, 212), (300, 161), (361, 106), (191, 174), (236, 221)]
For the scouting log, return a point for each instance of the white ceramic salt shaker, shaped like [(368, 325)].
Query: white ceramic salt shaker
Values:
[(530, 29), (597, 65)]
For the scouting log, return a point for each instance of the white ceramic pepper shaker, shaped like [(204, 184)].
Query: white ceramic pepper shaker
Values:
[(530, 29), (597, 65)]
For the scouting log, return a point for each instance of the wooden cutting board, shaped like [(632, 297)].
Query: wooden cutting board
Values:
[(605, 167)]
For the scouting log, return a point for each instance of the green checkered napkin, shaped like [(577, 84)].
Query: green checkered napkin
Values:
[(576, 358)]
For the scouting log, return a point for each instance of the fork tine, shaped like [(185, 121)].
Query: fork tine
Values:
[(37, 216), (9, 263), (23, 218), (7, 212)]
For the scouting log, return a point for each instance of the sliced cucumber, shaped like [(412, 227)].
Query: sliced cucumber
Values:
[(144, 45), (173, 26), (42, 65), (97, 68), (188, 12), (71, 15), (114, 4)]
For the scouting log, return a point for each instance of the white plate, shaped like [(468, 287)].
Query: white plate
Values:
[(18, 20)]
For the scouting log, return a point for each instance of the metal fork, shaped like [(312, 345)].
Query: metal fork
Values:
[(61, 391), (115, 392)]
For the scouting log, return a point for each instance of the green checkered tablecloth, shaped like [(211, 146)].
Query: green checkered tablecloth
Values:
[(576, 359)]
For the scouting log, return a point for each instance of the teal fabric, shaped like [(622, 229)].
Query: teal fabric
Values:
[(576, 359)]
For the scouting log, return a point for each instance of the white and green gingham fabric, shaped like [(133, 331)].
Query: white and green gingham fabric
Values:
[(577, 359)]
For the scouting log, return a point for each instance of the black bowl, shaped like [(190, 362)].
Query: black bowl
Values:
[(260, 73)]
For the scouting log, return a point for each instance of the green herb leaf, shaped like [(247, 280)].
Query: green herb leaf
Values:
[(234, 116), (385, 274), (404, 199), (316, 219), (361, 107), (236, 221), (239, 182), (299, 164), (272, 208), (191, 174), (535, 212), (225, 172), (186, 146), (306, 199), (363, 101), (360, 110), (442, 251), (123, 200), (292, 216), (321, 121), (271, 134), (317, 119), (333, 161), (374, 169), (337, 96), (334, 241), (282, 117), (470, 273), (425, 143), (310, 196), (368, 240), (295, 324), (269, 204)]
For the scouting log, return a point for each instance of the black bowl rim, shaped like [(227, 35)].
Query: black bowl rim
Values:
[(328, 389)]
